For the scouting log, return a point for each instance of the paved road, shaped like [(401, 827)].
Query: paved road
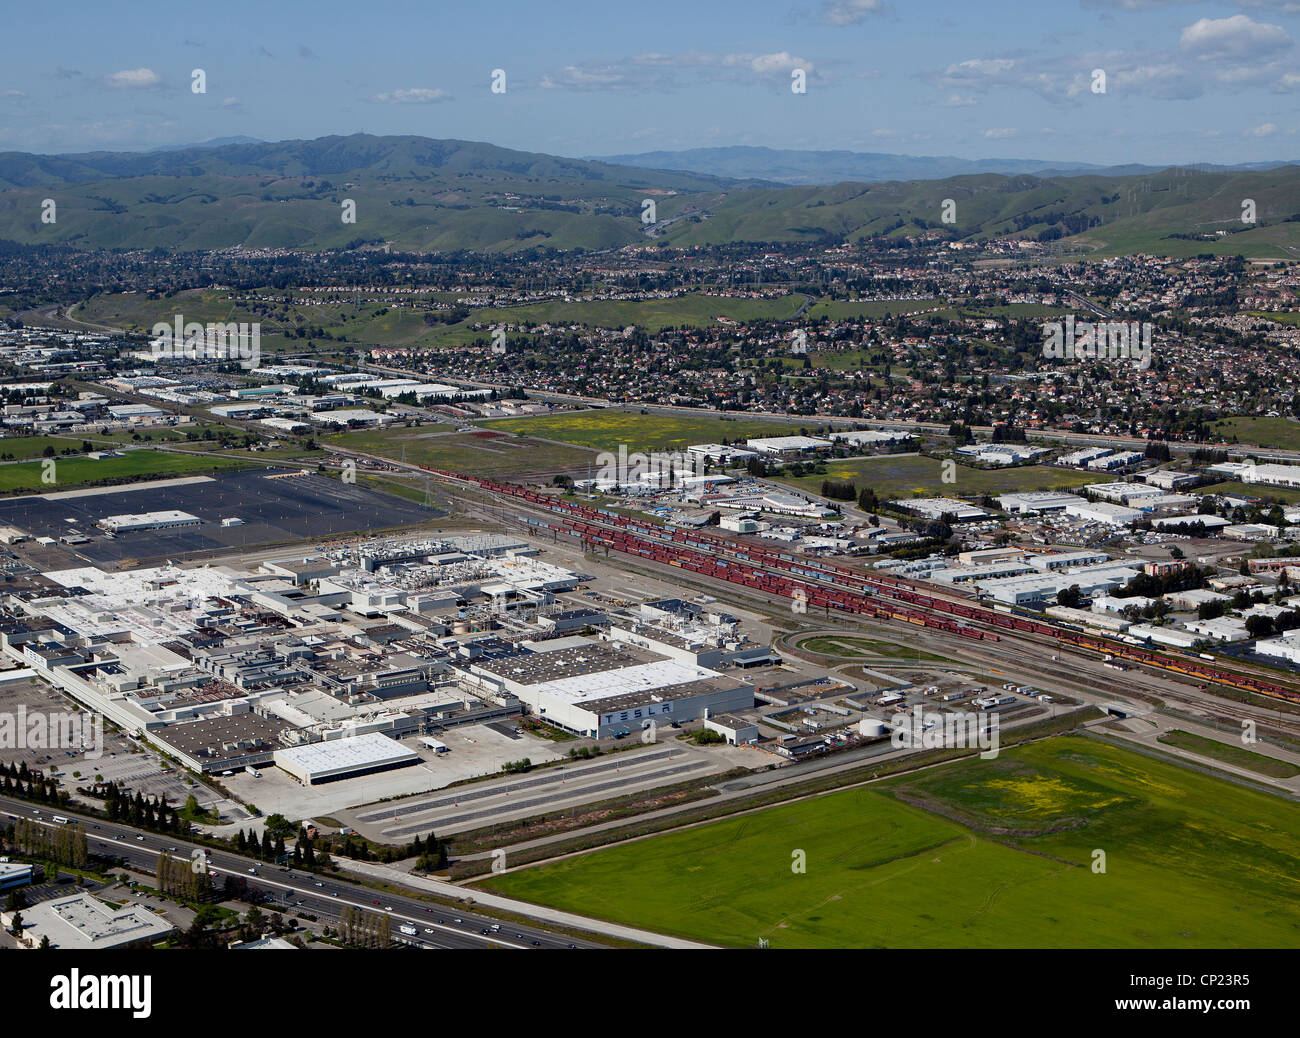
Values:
[(294, 890)]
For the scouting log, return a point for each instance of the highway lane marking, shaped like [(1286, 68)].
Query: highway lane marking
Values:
[(328, 899), (407, 918)]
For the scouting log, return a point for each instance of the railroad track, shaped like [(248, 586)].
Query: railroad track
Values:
[(826, 585)]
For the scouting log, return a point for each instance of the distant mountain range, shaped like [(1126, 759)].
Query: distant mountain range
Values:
[(419, 194), (216, 142), (786, 166)]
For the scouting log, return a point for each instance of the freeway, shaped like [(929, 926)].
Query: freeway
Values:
[(293, 890)]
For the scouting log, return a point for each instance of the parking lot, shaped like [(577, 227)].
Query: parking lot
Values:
[(472, 751), (276, 505)]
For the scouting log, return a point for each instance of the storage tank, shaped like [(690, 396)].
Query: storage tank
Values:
[(871, 727)]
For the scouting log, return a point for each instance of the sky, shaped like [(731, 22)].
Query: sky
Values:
[(1183, 82)]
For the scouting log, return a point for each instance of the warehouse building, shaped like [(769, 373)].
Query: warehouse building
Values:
[(84, 923), (14, 874), (1035, 501), (1123, 493), (1210, 522), (938, 507), (346, 758), (1167, 479), (1080, 458), (788, 445), (736, 730), (600, 689), (1102, 512), (148, 521), (871, 437)]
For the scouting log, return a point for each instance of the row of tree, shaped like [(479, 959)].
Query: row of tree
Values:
[(185, 879), (151, 813), (65, 844)]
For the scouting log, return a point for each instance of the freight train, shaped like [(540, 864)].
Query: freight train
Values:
[(876, 595)]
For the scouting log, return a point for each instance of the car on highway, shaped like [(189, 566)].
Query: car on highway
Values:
[(388, 908), (320, 884), (140, 839), (252, 872), (428, 929)]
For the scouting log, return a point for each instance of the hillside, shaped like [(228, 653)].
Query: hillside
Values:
[(438, 195), (825, 167)]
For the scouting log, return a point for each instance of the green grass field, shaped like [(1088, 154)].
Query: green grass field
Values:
[(465, 452), (1002, 856), (69, 473), (909, 475), (1261, 432), (877, 309), (606, 429), (1229, 754), (1284, 495), (858, 648)]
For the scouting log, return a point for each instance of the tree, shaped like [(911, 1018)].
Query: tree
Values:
[(278, 825), (1069, 597), (1259, 626)]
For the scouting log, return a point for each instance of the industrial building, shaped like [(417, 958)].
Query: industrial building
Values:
[(84, 923), (788, 445), (1081, 457), (1036, 501), (148, 521), (736, 730), (1123, 493), (598, 688), (1103, 512), (15, 874), (1210, 522), (346, 758), (871, 437), (938, 507)]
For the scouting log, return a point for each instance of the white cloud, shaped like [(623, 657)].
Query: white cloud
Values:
[(134, 78), (669, 71), (1235, 37), (997, 133), (1262, 130), (413, 96), (850, 12)]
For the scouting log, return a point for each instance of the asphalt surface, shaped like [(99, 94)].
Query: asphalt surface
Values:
[(292, 891)]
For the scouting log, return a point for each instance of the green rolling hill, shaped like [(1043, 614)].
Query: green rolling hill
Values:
[(418, 194)]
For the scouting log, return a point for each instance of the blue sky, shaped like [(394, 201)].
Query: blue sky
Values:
[(984, 78)]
